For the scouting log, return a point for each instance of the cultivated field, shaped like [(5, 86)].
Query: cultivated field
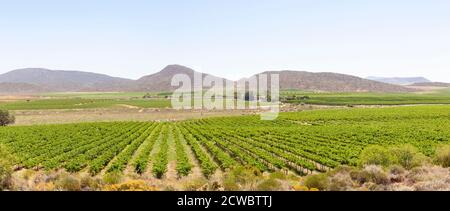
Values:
[(301, 142), (433, 96), (143, 139)]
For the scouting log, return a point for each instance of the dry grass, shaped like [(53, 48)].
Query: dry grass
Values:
[(34, 117), (13, 98)]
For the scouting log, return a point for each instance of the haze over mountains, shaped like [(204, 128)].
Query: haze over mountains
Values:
[(332, 82), (400, 80), (432, 84), (44, 80), (63, 81)]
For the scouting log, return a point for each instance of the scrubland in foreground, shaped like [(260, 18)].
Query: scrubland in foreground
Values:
[(395, 169)]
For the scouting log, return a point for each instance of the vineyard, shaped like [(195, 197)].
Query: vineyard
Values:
[(343, 99), (300, 142), (82, 103)]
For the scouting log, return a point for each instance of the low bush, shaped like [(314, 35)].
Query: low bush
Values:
[(269, 185), (370, 174), (407, 156), (112, 178), (299, 187), (340, 182), (278, 175), (443, 156), (194, 184), (90, 183), (6, 168), (319, 181), (132, 185), (375, 155), (45, 186), (240, 178), (6, 118), (67, 182)]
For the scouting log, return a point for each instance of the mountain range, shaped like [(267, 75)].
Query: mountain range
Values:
[(400, 80), (432, 84), (44, 80)]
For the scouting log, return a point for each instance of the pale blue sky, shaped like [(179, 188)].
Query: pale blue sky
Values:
[(229, 38)]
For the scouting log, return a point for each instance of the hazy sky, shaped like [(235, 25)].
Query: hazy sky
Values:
[(229, 38)]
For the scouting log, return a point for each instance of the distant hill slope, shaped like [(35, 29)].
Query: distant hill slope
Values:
[(435, 84), (44, 80), (332, 82), (161, 81), (400, 80), (20, 88), (60, 81)]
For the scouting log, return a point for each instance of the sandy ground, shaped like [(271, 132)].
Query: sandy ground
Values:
[(33, 117), (131, 113), (12, 98)]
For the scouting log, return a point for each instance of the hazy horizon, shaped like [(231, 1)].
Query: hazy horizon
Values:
[(153, 72), (231, 39)]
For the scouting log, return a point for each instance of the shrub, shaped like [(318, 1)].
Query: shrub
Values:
[(269, 185), (240, 178), (370, 186), (340, 182), (6, 118), (68, 182), (299, 188), (44, 186), (407, 156), (278, 175), (6, 168), (370, 174), (396, 169), (319, 181), (132, 185), (443, 156), (340, 170), (375, 155), (216, 186), (89, 183), (194, 184), (27, 174), (113, 178)]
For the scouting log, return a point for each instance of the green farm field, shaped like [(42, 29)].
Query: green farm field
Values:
[(301, 142), (341, 99), (83, 103), (157, 100)]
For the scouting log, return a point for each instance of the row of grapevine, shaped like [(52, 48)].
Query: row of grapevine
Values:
[(161, 159), (142, 158), (97, 164), (80, 161), (207, 165), (237, 152), (81, 147), (225, 160), (121, 160), (183, 164)]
